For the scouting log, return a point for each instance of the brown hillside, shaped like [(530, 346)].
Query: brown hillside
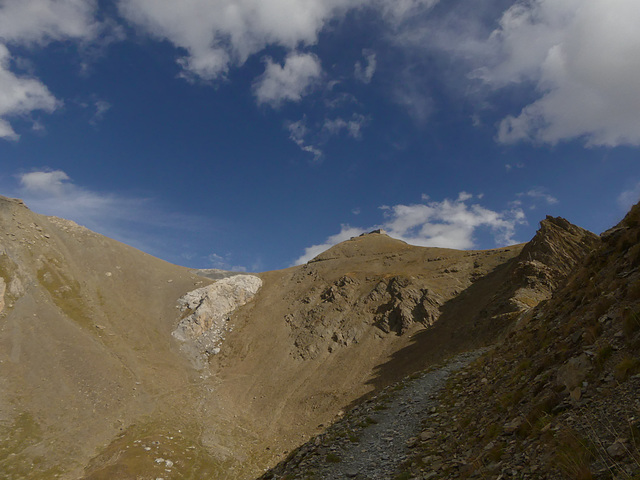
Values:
[(559, 398), (94, 385)]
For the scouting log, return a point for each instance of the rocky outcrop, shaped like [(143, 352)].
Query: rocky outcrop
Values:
[(207, 309), (404, 303), (553, 253), (337, 315), (543, 265)]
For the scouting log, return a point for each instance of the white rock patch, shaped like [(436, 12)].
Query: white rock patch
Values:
[(209, 309)]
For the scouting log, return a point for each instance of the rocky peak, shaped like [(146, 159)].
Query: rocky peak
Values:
[(379, 231), (9, 201), (557, 246)]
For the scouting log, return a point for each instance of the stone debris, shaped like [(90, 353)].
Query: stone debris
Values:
[(372, 440), (206, 311)]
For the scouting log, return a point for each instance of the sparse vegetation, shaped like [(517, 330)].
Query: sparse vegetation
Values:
[(630, 322), (65, 292), (333, 458), (629, 365), (574, 456)]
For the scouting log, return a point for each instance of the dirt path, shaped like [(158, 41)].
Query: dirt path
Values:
[(372, 440)]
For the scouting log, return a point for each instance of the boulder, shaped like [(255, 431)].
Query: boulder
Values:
[(574, 372)]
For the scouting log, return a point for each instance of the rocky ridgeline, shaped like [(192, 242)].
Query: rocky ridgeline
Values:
[(560, 397), (206, 312), (541, 267), (551, 256)]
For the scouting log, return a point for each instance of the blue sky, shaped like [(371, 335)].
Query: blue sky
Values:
[(253, 134)]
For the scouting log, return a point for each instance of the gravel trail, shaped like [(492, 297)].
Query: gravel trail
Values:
[(371, 441)]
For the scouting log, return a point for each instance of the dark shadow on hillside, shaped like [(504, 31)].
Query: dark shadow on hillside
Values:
[(463, 325)]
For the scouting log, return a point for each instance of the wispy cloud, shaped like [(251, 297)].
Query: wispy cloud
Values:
[(144, 223), (630, 197), (224, 262), (300, 73), (298, 133), (448, 223), (540, 193), (353, 126), (364, 71)]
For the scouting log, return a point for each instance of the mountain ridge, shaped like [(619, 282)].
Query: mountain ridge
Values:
[(314, 341), (556, 398)]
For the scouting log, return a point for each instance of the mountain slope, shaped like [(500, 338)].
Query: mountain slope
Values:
[(85, 345), (557, 398), (95, 382)]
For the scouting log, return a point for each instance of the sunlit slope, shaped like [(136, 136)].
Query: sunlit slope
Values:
[(93, 385), (85, 345)]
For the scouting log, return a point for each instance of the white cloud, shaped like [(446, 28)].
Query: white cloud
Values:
[(49, 182), (101, 108), (218, 34), (223, 263), (53, 193), (630, 197), (397, 12), (37, 23), (577, 59), (541, 194), (364, 73), (42, 21), (582, 56), (297, 77), (353, 126), (508, 166), (346, 232), (19, 96), (298, 132), (449, 224)]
